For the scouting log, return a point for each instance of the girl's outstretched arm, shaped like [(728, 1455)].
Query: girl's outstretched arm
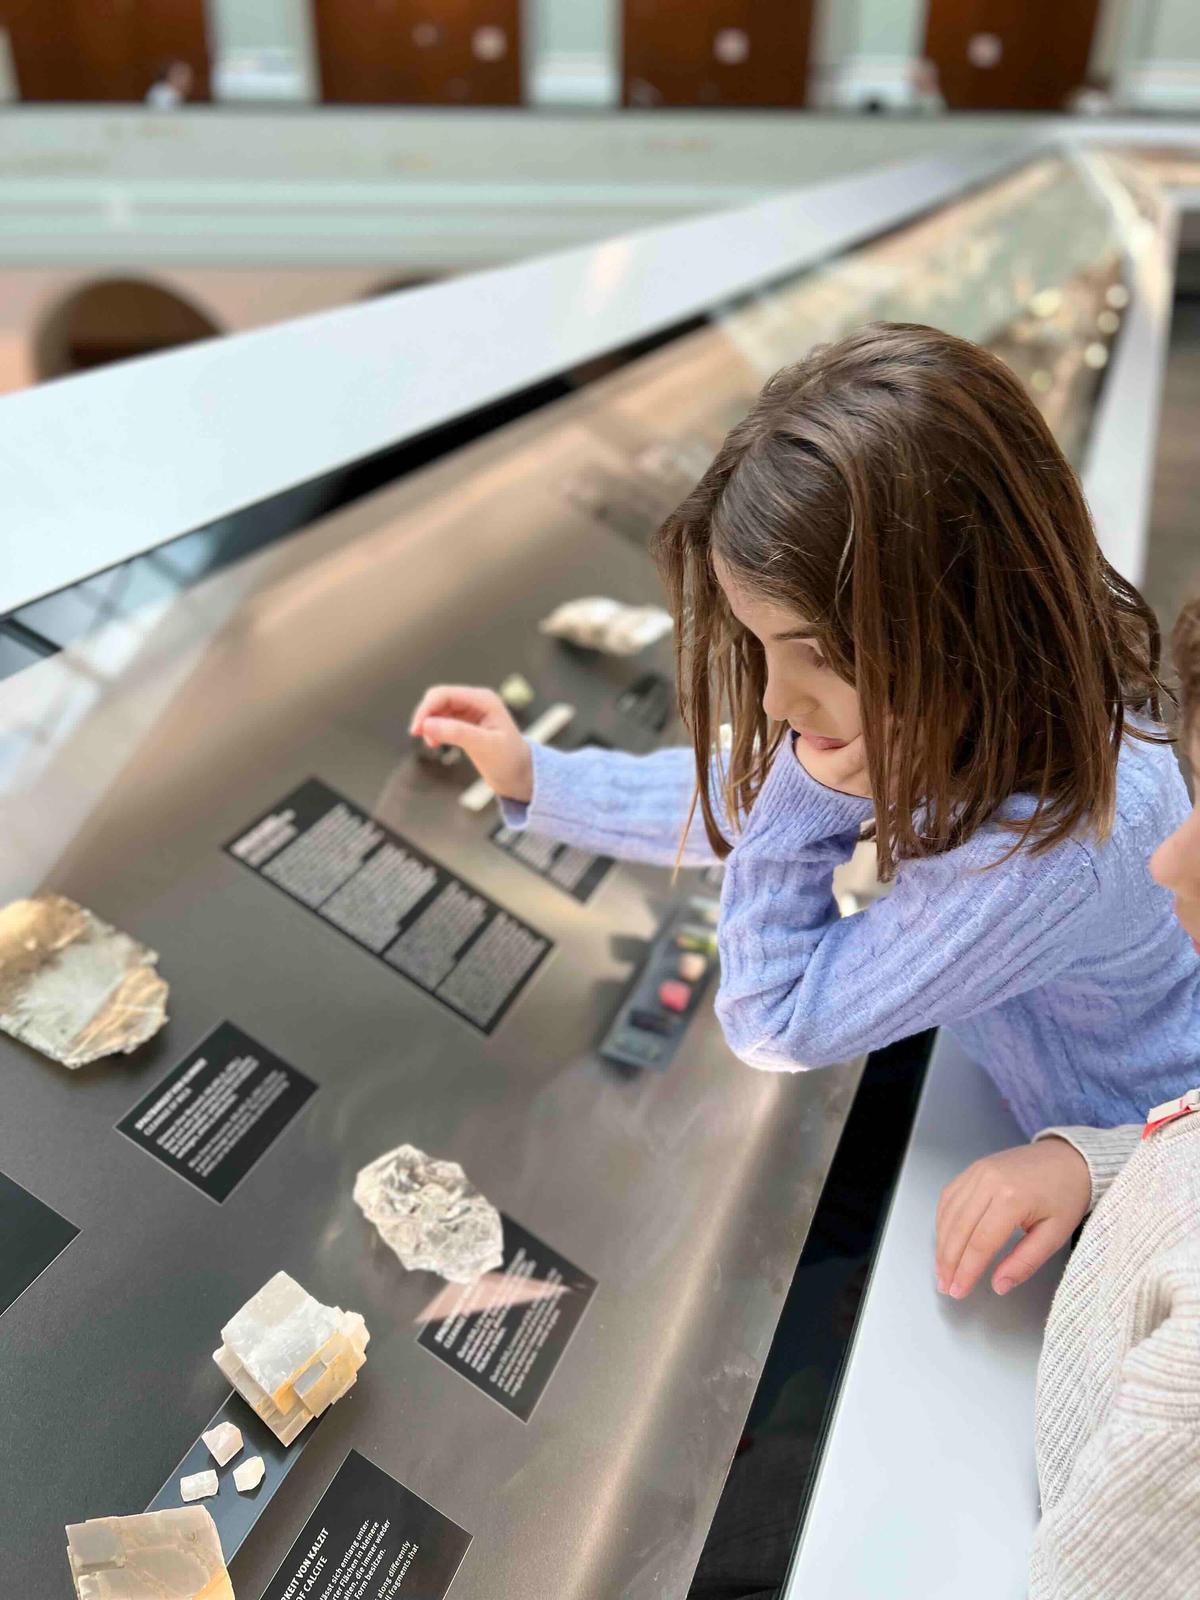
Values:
[(802, 987), (634, 808)]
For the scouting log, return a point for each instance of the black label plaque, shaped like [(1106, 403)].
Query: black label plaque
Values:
[(395, 901), (370, 1538), (233, 1512), (577, 872), (507, 1332), (216, 1113), (31, 1235)]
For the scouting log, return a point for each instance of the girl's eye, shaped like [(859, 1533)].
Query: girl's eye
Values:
[(812, 657)]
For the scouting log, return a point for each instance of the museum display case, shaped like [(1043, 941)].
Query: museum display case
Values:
[(376, 990)]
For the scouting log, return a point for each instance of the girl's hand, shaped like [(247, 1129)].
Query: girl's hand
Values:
[(478, 722), (844, 769), (1044, 1189)]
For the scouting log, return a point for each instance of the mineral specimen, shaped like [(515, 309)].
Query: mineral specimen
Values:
[(249, 1474), (71, 986), (160, 1555), (430, 1214), (198, 1486), (599, 623), (224, 1441), (289, 1356)]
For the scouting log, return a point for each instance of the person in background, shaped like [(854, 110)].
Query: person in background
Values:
[(927, 93), (1118, 1396), (172, 87), (1093, 98)]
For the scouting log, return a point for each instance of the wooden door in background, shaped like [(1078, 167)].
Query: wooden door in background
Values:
[(103, 49), (716, 52), (1010, 55), (434, 52)]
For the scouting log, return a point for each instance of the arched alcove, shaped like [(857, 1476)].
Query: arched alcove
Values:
[(114, 319)]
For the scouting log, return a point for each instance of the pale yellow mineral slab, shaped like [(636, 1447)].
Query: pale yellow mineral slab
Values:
[(224, 1441), (249, 1474), (289, 1356), (73, 987), (160, 1555)]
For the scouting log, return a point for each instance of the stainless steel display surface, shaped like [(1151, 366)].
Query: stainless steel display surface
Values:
[(687, 1195)]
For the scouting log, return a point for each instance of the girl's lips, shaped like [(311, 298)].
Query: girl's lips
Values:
[(820, 742)]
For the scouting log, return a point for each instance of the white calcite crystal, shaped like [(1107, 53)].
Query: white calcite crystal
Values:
[(71, 986), (224, 1441), (160, 1555), (430, 1214), (615, 629), (290, 1357), (249, 1474), (198, 1486)]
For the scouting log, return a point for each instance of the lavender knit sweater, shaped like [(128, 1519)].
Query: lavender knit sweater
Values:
[(1064, 975)]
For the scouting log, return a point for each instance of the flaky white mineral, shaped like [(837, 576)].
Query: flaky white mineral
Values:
[(160, 1555), (430, 1214), (224, 1441), (289, 1356), (71, 986), (198, 1486), (249, 1474), (610, 626)]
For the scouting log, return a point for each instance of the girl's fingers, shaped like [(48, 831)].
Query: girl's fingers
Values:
[(468, 736), (957, 1198), (1034, 1250), (993, 1229), (458, 701), (954, 1227)]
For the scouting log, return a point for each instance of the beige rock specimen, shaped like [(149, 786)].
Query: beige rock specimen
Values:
[(290, 1357), (198, 1486), (249, 1474), (224, 1441), (160, 1555), (73, 987)]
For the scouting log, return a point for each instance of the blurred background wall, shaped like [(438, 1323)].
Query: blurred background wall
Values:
[(171, 169)]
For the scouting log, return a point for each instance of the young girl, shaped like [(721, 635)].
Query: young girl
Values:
[(888, 580)]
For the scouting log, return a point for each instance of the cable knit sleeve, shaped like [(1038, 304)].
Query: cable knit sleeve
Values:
[(632, 807), (801, 987), (636, 807), (1106, 1150)]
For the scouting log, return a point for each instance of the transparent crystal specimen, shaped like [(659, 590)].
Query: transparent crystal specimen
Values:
[(198, 1486), (430, 1214), (71, 986), (598, 623), (224, 1441), (160, 1555), (290, 1357), (249, 1474)]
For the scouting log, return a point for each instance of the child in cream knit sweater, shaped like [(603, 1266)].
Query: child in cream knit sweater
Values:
[(1118, 1399)]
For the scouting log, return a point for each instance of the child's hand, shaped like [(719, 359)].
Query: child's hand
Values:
[(844, 769), (477, 721), (1044, 1189)]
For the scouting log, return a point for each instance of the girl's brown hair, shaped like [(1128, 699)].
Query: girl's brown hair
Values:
[(1185, 650), (901, 493)]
